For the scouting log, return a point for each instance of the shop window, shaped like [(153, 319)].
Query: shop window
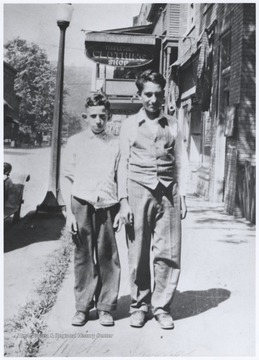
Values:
[(206, 138), (225, 52), (186, 123)]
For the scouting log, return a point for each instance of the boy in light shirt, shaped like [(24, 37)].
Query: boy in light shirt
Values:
[(90, 194)]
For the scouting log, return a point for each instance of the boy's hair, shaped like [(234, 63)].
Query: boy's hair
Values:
[(149, 75), (98, 99)]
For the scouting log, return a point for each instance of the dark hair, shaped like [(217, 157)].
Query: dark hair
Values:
[(7, 168), (97, 99), (149, 75)]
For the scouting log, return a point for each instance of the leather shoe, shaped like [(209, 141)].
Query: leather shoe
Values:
[(105, 318), (165, 321), (79, 319), (137, 318)]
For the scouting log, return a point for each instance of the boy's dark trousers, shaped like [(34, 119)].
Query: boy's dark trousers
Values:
[(96, 259)]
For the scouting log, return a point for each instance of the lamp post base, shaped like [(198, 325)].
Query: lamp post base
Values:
[(50, 204)]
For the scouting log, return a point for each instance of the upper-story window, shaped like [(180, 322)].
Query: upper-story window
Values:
[(164, 21), (225, 50), (190, 16)]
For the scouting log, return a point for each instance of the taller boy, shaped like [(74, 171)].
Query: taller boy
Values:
[(151, 185)]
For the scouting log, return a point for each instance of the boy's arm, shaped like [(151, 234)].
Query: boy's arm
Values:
[(125, 210), (67, 182), (123, 163), (182, 171), (183, 207)]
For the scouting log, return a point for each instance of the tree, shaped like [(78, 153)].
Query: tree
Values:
[(35, 82), (73, 123)]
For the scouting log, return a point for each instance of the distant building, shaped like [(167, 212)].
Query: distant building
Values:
[(11, 105)]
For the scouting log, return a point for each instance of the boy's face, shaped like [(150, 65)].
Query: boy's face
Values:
[(97, 116), (152, 97)]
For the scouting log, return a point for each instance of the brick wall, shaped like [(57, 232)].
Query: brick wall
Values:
[(246, 134), (240, 148), (246, 186)]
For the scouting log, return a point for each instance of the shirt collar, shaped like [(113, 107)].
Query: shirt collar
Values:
[(142, 117), (102, 135)]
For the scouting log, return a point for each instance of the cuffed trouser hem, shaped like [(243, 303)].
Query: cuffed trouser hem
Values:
[(106, 307), (84, 308), (159, 311), (144, 308)]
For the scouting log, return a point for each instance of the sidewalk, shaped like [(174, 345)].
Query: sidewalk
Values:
[(214, 307)]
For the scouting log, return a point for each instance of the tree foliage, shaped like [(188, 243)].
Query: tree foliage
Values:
[(35, 82), (73, 123)]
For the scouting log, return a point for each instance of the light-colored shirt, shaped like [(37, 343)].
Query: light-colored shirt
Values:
[(153, 125), (90, 162), (146, 175)]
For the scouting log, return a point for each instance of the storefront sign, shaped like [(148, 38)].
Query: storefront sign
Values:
[(120, 50)]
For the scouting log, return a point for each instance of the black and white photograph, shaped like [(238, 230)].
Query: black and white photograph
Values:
[(129, 185)]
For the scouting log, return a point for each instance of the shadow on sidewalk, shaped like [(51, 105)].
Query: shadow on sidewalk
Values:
[(185, 304), (190, 303), (123, 308), (32, 228)]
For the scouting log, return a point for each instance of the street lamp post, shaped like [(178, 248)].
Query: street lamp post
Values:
[(53, 202)]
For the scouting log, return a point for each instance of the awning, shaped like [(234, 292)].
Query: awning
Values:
[(133, 39), (201, 43), (121, 47), (139, 29), (186, 56)]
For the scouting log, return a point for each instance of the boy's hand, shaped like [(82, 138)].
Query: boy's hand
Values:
[(75, 233), (76, 238), (71, 223), (117, 224), (126, 214)]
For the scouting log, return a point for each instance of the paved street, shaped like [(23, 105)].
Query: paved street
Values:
[(214, 307), (25, 255), (34, 161)]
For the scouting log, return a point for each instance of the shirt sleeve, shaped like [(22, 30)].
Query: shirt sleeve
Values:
[(116, 164), (182, 163), (123, 161), (69, 160)]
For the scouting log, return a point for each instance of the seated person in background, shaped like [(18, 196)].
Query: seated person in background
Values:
[(7, 181)]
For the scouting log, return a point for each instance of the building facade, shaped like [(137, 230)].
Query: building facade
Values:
[(215, 78), (206, 52)]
